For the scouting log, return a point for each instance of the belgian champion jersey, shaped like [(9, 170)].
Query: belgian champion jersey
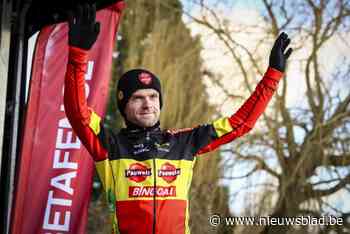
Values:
[(147, 172)]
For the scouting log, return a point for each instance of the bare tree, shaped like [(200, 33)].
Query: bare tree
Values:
[(302, 150)]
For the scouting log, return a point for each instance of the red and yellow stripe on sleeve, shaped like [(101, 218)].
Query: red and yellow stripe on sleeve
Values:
[(228, 129), (84, 121)]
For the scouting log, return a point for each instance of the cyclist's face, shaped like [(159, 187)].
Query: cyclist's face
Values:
[(142, 108)]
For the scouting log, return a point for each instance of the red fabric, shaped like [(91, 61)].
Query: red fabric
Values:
[(137, 216), (48, 188), (245, 118), (75, 103)]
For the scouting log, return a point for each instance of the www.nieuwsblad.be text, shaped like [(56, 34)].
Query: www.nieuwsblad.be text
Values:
[(216, 220)]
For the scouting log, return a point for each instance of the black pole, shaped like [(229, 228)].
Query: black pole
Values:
[(14, 111)]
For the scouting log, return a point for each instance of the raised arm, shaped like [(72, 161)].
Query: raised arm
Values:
[(208, 137), (83, 32), (241, 122)]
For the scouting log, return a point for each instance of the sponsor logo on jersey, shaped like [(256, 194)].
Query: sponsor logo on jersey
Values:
[(163, 147), (140, 148), (145, 78), (138, 172), (148, 191), (168, 172)]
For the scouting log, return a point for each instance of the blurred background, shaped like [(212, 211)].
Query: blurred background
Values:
[(210, 55)]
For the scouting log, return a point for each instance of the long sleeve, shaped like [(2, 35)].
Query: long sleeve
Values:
[(255, 105), (84, 121), (208, 137)]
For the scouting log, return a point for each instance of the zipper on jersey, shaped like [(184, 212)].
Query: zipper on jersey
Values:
[(148, 139), (154, 194)]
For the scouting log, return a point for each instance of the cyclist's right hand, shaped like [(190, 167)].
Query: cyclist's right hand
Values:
[(83, 28)]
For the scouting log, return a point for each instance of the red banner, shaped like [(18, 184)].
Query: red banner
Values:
[(54, 185)]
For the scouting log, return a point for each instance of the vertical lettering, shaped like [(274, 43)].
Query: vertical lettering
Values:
[(67, 179), (57, 163), (51, 201)]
